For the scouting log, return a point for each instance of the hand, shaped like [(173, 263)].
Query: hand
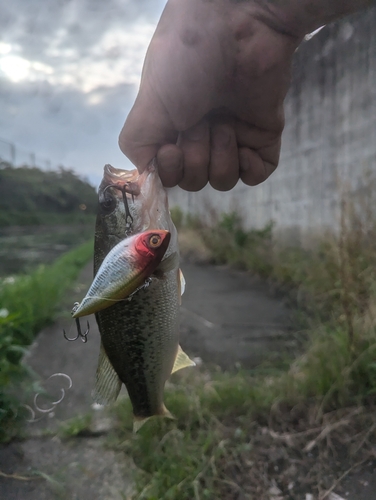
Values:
[(210, 104)]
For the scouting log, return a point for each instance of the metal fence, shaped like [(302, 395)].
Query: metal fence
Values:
[(12, 153)]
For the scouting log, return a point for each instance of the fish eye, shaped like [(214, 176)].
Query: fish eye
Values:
[(154, 241), (108, 204)]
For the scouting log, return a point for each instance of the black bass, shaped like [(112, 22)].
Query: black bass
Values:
[(140, 338), (124, 270)]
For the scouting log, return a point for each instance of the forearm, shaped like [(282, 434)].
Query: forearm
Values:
[(304, 16)]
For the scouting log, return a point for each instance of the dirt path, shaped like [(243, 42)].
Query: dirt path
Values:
[(230, 319), (79, 469), (227, 318)]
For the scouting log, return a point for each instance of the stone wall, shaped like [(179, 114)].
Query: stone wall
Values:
[(329, 141)]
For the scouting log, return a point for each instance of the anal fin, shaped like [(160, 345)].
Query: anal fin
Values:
[(182, 360), (107, 382)]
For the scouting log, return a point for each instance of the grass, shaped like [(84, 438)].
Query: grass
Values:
[(292, 431), (28, 303), (75, 426), (236, 437)]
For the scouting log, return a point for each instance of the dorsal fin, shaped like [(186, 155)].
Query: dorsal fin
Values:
[(182, 361)]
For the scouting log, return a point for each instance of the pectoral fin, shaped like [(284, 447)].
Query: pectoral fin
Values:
[(181, 361), (181, 284), (107, 383), (169, 263)]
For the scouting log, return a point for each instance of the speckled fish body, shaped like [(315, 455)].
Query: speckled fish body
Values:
[(124, 269), (140, 338)]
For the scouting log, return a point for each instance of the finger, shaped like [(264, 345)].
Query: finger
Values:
[(254, 137), (195, 144), (224, 162), (145, 130), (256, 166), (170, 165)]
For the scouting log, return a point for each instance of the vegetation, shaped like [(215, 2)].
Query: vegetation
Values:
[(75, 426), (28, 302), (30, 196), (275, 433)]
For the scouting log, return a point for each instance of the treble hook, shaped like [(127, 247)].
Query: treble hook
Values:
[(82, 336)]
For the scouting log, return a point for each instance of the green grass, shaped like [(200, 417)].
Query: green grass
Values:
[(75, 426), (27, 304)]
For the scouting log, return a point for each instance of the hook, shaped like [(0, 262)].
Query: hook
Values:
[(82, 336), (128, 214), (124, 192)]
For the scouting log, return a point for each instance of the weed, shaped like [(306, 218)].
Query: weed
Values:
[(75, 426), (229, 243)]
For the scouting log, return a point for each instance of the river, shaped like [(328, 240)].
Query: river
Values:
[(22, 248)]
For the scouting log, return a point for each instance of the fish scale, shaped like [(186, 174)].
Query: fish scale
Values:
[(147, 345)]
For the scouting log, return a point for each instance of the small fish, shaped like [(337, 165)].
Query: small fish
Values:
[(124, 270), (140, 338)]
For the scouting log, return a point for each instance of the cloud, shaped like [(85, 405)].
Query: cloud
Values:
[(80, 43), (64, 125), (69, 72)]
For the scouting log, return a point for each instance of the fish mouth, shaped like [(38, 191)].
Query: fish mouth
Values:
[(126, 181), (118, 175), (114, 175)]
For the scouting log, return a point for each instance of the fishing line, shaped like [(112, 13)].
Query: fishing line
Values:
[(54, 403), (37, 409)]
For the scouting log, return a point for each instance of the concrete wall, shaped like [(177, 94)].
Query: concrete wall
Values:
[(329, 140)]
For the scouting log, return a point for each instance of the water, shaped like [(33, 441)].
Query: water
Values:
[(22, 248)]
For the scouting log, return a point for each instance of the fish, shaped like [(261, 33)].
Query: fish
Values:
[(125, 269), (140, 338)]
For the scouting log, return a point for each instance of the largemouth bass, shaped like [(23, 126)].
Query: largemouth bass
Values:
[(140, 338), (124, 271)]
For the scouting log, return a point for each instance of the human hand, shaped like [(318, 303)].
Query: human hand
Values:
[(210, 104)]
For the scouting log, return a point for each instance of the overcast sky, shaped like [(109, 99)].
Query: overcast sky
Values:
[(69, 72)]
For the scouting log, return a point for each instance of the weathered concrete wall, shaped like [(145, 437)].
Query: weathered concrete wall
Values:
[(329, 139)]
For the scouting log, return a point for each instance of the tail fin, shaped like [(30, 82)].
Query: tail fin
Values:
[(138, 422)]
